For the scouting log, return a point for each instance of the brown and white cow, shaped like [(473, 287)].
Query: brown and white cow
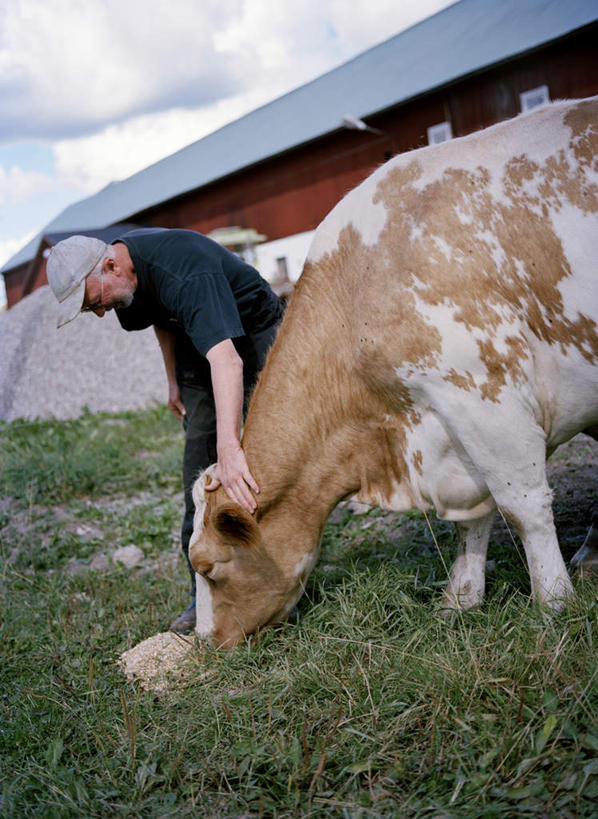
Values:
[(441, 341)]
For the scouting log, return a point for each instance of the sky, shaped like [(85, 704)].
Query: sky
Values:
[(92, 92)]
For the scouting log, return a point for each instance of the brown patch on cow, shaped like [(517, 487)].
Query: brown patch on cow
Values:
[(418, 461), (465, 381), (481, 280), (381, 460), (500, 365), (355, 411)]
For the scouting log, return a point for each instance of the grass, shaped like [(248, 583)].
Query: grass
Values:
[(92, 455), (370, 704)]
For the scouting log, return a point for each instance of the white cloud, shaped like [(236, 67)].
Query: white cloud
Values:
[(17, 185), (118, 151), (68, 66), (9, 247), (282, 47), (320, 33)]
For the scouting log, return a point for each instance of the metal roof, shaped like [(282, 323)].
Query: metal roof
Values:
[(106, 234), (463, 38)]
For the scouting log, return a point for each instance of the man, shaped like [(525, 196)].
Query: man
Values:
[(215, 319)]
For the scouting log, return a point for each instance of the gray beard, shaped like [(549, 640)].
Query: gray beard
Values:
[(125, 301)]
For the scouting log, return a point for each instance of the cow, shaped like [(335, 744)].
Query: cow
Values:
[(441, 341)]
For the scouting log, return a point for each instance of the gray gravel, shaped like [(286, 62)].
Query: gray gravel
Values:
[(90, 362)]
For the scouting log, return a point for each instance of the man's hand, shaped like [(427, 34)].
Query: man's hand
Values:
[(233, 473), (175, 402)]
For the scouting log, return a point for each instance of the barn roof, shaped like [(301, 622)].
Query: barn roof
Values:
[(106, 234), (460, 40)]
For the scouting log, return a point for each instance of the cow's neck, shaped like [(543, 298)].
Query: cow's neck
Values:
[(298, 490), (310, 464), (301, 439)]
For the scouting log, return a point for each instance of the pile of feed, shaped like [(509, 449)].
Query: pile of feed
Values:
[(158, 662)]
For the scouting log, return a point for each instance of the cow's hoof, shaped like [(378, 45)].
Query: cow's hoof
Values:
[(449, 606), (459, 596), (556, 596)]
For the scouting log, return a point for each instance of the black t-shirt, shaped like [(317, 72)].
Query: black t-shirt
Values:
[(192, 286)]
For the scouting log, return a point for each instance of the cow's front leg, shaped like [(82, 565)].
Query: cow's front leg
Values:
[(467, 579)]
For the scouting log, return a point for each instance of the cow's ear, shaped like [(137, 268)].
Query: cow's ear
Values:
[(233, 522)]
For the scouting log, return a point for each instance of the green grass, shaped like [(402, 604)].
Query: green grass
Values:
[(94, 454), (370, 704)]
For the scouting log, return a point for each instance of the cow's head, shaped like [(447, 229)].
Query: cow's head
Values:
[(240, 586)]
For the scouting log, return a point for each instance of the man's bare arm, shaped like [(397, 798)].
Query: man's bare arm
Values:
[(226, 367), (166, 341)]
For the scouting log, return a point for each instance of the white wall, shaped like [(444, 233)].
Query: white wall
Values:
[(293, 248)]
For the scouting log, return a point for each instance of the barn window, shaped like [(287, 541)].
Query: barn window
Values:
[(439, 133), (282, 269), (534, 98)]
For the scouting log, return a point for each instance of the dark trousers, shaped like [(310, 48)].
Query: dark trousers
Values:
[(193, 378)]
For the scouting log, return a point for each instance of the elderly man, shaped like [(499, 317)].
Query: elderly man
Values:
[(214, 317)]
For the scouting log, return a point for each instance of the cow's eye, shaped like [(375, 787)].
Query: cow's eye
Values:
[(203, 568), (217, 571)]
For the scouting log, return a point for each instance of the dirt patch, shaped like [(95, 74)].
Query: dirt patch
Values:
[(573, 476)]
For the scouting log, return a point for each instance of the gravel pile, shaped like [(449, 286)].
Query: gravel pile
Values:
[(90, 362)]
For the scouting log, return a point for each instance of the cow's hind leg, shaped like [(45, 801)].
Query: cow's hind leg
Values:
[(467, 579), (534, 523), (586, 557), (525, 500)]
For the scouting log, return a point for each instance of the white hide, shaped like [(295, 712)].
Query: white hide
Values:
[(204, 625)]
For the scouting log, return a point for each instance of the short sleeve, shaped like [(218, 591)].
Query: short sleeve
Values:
[(207, 309)]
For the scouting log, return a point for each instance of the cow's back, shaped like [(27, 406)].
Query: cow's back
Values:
[(477, 260), (555, 145)]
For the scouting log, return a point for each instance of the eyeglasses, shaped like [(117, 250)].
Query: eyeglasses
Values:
[(92, 307)]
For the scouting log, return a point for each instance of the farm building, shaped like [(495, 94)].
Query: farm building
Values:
[(262, 183)]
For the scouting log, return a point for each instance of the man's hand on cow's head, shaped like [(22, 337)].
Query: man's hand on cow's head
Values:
[(232, 472)]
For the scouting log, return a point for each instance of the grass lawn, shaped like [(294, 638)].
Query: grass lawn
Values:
[(369, 704)]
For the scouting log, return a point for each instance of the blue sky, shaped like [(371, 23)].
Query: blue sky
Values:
[(93, 92)]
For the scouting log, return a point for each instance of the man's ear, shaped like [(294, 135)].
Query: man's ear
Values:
[(109, 266), (234, 523)]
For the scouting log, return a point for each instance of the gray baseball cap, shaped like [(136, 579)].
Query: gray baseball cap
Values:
[(69, 263)]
